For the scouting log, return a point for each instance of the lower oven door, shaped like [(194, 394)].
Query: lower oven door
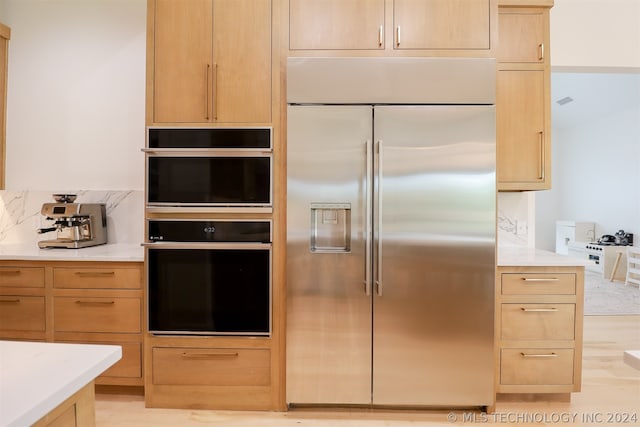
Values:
[(209, 289)]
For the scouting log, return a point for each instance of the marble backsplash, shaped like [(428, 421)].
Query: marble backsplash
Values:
[(516, 219), (20, 215)]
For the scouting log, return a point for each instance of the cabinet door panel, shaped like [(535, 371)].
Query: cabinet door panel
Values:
[(336, 24), (183, 67), (441, 24), (522, 37), (521, 139), (242, 61)]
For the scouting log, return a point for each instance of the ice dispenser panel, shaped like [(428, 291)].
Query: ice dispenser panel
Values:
[(330, 227)]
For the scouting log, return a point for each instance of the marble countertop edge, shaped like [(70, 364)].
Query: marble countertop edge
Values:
[(127, 252)]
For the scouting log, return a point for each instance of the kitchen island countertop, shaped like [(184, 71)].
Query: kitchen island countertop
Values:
[(514, 256), (109, 252)]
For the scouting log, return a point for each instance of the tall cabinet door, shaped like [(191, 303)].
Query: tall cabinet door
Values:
[(441, 24), (328, 299), (434, 252), (242, 61), (182, 61), (523, 148)]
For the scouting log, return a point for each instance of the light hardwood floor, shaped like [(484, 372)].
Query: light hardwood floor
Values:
[(610, 391)]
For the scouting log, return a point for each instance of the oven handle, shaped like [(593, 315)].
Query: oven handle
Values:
[(209, 152), (197, 245)]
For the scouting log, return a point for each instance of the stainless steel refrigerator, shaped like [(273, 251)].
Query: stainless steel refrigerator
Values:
[(390, 232)]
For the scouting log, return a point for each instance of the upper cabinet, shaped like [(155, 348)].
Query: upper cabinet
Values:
[(441, 27), (5, 35), (523, 100), (209, 61)]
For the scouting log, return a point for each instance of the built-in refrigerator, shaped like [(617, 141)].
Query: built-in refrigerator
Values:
[(390, 232)]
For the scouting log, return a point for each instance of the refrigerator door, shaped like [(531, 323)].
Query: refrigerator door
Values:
[(434, 235), (328, 309)]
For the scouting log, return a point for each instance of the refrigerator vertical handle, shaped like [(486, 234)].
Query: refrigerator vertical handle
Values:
[(379, 219), (367, 217)]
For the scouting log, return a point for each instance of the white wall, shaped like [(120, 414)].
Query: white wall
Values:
[(595, 33), (596, 171), (75, 98)]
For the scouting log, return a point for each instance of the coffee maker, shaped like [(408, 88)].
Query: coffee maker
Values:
[(77, 225)]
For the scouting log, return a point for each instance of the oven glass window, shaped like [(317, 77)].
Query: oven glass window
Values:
[(211, 180), (209, 291)]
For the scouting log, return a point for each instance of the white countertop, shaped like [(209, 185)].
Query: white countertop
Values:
[(36, 377), (108, 252), (632, 358), (514, 256)]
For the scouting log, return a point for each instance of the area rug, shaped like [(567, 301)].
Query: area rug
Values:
[(605, 298)]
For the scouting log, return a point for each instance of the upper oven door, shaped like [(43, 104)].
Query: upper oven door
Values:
[(209, 168)]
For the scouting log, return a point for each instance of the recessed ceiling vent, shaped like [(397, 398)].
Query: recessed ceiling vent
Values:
[(565, 100)]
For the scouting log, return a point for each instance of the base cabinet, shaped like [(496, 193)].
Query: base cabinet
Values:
[(77, 302), (539, 329)]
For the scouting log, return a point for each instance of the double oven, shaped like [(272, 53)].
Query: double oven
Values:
[(208, 246)]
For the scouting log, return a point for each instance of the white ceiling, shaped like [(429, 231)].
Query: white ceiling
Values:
[(594, 95)]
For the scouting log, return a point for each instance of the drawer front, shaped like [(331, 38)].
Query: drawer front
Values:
[(21, 313), (129, 366), (81, 314), (97, 278), (538, 283), (28, 277), (538, 321), (536, 366), (211, 367)]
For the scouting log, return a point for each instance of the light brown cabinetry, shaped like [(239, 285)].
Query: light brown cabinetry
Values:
[(523, 99), (209, 61), (539, 329), (5, 35), (81, 302), (392, 25)]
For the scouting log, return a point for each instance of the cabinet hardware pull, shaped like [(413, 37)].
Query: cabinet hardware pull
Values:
[(539, 355), (10, 272), (380, 35), (95, 302), (215, 91), (206, 92), (551, 279), (95, 273), (542, 156), (539, 310), (541, 51), (208, 355), (398, 35), (10, 301)]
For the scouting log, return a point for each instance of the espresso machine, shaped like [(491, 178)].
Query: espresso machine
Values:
[(77, 225)]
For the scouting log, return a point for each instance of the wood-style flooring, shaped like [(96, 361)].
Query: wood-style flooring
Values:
[(610, 396)]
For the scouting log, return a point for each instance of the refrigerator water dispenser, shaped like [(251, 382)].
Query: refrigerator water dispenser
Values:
[(330, 227)]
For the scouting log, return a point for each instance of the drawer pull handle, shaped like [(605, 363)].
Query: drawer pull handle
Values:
[(10, 272), (539, 355), (95, 273), (551, 279), (539, 310), (10, 301), (208, 355), (95, 302)]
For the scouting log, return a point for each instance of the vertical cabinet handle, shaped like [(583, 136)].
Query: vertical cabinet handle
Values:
[(542, 155), (206, 92), (380, 36), (367, 220), (541, 52), (398, 35), (379, 213)]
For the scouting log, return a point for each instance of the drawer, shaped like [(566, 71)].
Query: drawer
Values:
[(28, 277), (538, 321), (97, 278), (538, 283), (84, 314), (22, 313), (211, 366), (129, 366), (536, 366)]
